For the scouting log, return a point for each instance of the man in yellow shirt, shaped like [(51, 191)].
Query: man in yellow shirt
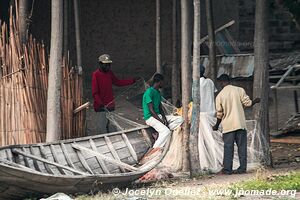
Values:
[(230, 104)]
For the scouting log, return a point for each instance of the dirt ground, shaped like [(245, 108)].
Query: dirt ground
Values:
[(214, 187), (285, 157), (282, 153)]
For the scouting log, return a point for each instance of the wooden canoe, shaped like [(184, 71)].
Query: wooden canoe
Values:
[(72, 166)]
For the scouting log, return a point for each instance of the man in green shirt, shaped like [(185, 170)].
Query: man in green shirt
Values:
[(154, 114)]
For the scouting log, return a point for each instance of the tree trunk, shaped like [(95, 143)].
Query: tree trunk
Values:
[(175, 67), (66, 27), (185, 77), (211, 40), (158, 39), (261, 76), (23, 19), (77, 31), (55, 73), (193, 140), (12, 3)]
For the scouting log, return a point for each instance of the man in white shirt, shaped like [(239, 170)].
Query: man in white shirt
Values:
[(207, 93), (209, 154)]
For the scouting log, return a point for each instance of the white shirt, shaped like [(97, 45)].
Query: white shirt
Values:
[(207, 96)]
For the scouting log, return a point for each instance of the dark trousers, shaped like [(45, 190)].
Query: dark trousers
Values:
[(240, 138)]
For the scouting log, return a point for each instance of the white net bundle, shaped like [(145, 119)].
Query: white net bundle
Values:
[(211, 150), (210, 143)]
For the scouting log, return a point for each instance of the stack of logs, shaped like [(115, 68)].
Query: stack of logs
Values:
[(23, 91)]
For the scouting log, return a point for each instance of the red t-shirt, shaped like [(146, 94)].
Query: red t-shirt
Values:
[(102, 88)]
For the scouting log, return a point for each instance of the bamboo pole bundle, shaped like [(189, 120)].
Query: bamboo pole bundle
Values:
[(23, 90)]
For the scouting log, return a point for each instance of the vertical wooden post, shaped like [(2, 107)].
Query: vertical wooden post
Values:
[(66, 27), (261, 76), (211, 40), (55, 73), (158, 39), (193, 140), (77, 32), (175, 67), (276, 108), (23, 15), (185, 76)]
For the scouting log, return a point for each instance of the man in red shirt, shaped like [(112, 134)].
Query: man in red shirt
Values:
[(102, 81)]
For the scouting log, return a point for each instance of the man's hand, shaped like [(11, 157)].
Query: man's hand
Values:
[(215, 128), (256, 100)]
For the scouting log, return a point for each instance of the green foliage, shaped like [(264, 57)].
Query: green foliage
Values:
[(280, 182)]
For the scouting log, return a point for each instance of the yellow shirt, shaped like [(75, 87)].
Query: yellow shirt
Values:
[(229, 107), (179, 111)]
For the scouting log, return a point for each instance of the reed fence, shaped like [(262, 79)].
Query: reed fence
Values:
[(23, 90)]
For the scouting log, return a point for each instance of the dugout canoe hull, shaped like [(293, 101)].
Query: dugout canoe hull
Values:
[(81, 165)]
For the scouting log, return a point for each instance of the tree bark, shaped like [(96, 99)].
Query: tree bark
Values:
[(193, 140), (175, 53), (158, 39), (185, 77), (261, 76), (66, 27), (23, 19), (55, 73), (211, 40), (77, 31)]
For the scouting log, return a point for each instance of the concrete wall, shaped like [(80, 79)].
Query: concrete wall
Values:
[(282, 31), (126, 31), (123, 29)]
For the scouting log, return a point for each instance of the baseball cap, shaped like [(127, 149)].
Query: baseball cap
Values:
[(105, 58)]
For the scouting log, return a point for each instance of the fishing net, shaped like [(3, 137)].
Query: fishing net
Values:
[(210, 145), (129, 114)]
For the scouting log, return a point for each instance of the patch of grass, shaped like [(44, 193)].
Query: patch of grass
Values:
[(102, 196), (289, 181)]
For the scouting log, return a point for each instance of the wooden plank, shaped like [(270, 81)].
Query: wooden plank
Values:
[(113, 151), (8, 162), (131, 150), (288, 78), (35, 163), (83, 161), (101, 163), (106, 158), (67, 157), (287, 140), (55, 158), (25, 158), (43, 153), (146, 137), (80, 108), (218, 30), (47, 161), (8, 156), (286, 87), (232, 41), (288, 72)]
